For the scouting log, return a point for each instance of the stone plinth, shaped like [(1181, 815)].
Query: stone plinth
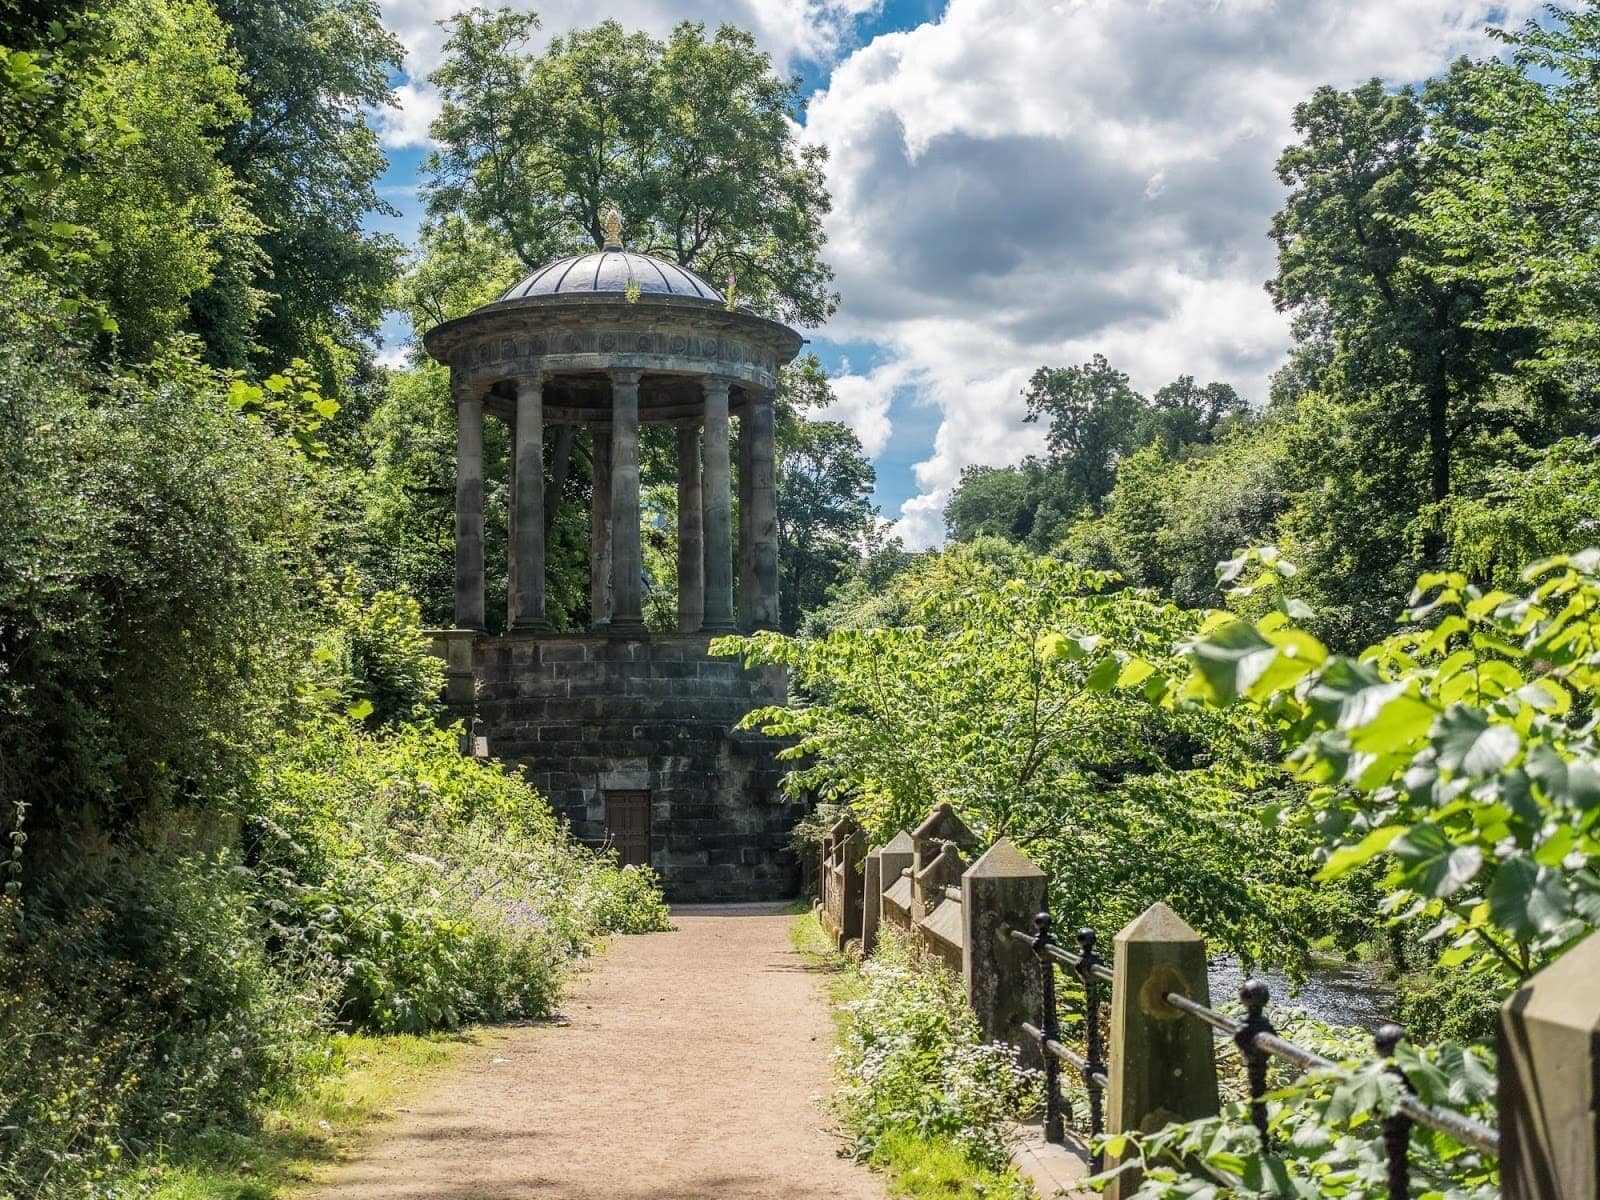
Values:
[(585, 714)]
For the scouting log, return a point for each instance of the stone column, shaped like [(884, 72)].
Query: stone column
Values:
[(627, 603), (469, 506), (747, 555), (691, 541), (763, 521), (718, 514), (600, 531), (527, 509)]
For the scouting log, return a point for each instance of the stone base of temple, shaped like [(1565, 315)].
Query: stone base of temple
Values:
[(633, 741)]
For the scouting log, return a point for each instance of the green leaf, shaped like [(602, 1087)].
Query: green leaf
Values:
[(1469, 745), (361, 710), (1347, 858), (1232, 659), (1434, 865), (1527, 900)]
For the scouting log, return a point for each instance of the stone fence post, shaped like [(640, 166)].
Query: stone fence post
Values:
[(1000, 892), (1161, 1065), (880, 873), (1549, 1044), (927, 842)]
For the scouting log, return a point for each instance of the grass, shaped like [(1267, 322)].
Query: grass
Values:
[(916, 1167), (302, 1135)]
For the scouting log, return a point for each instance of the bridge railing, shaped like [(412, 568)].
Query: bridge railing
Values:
[(1147, 1057)]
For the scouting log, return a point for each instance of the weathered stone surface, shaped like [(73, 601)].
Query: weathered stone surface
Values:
[(894, 856), (1001, 892), (584, 714), (1162, 1065), (1550, 1081)]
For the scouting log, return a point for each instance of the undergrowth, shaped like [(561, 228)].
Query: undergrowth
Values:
[(917, 1092)]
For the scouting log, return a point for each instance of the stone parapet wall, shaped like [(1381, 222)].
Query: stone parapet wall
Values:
[(587, 714)]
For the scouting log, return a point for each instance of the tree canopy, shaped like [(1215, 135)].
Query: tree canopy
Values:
[(691, 139)]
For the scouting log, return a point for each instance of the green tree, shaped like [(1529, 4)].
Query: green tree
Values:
[(1094, 418), (824, 506), (992, 502), (691, 138), (1518, 180), (309, 163), (1186, 414), (1354, 267), (167, 213)]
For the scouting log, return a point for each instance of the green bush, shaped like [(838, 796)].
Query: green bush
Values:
[(438, 888), (911, 1061), (138, 1003)]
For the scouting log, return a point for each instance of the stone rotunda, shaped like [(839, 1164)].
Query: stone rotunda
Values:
[(629, 733)]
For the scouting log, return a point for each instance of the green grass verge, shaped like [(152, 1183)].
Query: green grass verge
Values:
[(916, 1167), (302, 1135)]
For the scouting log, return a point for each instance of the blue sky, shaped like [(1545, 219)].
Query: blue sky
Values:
[(1025, 182)]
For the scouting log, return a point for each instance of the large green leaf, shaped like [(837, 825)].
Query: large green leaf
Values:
[(1527, 899), (1468, 744), (1433, 864)]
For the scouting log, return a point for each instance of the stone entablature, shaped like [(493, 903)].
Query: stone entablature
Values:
[(576, 334)]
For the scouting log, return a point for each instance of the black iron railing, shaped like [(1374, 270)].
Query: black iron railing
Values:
[(1254, 1037)]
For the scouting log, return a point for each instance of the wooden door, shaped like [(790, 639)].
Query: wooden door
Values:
[(628, 826)]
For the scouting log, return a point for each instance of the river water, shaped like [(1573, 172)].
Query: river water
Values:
[(1336, 993)]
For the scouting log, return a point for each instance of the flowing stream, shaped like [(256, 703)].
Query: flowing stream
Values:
[(1337, 993)]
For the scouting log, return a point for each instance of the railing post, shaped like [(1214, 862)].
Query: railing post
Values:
[(1254, 994), (893, 857), (1001, 892), (1055, 1126), (1094, 1063), (1396, 1126), (1161, 1063), (1550, 1081), (851, 854), (927, 843)]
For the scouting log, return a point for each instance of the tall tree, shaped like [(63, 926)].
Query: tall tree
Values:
[(824, 512), (310, 164), (691, 138), (1094, 418), (1514, 209), (1354, 266)]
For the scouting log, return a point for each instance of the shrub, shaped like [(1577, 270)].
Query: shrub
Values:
[(911, 1061), (438, 888), (138, 1003)]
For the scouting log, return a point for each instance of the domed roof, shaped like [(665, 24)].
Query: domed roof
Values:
[(610, 270)]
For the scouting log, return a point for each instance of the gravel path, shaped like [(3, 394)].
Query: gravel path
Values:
[(693, 1065)]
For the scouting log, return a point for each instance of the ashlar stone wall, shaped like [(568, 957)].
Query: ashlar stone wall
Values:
[(586, 714)]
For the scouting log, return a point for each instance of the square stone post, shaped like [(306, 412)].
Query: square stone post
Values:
[(762, 523), (1550, 1081), (527, 509), (469, 505), (893, 857), (1162, 1066), (600, 531), (1000, 892), (718, 515), (691, 539), (627, 600)]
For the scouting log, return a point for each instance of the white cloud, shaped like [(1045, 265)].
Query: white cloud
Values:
[(1026, 182), (405, 124), (862, 402), (792, 31)]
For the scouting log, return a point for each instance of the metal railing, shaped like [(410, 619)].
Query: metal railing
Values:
[(1255, 1039)]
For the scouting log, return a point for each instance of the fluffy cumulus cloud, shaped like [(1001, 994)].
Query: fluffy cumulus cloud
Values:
[(1026, 182)]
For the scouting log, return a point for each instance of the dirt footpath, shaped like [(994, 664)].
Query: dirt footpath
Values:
[(693, 1065)]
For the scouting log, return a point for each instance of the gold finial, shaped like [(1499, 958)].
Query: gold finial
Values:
[(612, 224)]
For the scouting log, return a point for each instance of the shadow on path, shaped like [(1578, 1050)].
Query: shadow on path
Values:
[(692, 1066)]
